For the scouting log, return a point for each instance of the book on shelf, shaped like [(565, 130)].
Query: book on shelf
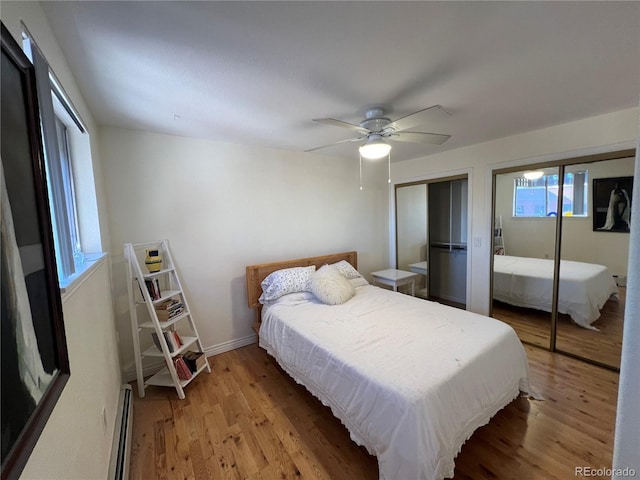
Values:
[(150, 289), (173, 340), (182, 369), (153, 287), (169, 309), (177, 338), (156, 341), (165, 316), (195, 360)]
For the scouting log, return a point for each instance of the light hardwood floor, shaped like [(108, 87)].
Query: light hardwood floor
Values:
[(604, 345), (249, 420)]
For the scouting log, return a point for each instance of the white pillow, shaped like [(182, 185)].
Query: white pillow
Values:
[(287, 280), (290, 299), (358, 282), (330, 287), (347, 270)]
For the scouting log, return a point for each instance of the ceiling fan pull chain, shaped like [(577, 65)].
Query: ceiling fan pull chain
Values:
[(360, 172), (389, 178)]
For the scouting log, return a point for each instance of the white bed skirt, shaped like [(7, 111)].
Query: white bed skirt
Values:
[(410, 379), (528, 282)]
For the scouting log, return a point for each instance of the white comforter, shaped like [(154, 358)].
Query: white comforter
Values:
[(528, 282), (410, 379)]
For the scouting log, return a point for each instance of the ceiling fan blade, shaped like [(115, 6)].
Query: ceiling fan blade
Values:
[(355, 139), (420, 137), (414, 119), (340, 123)]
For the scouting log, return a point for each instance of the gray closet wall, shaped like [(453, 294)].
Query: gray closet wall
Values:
[(447, 212), (431, 226)]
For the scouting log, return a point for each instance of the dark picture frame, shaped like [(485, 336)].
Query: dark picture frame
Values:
[(35, 363), (612, 201)]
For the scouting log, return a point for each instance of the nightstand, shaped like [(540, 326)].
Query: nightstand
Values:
[(421, 269), (395, 278)]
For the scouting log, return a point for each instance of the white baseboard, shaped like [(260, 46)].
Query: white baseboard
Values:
[(230, 345), (148, 370)]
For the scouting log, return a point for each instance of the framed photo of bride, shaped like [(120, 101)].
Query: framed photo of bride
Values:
[(612, 199)]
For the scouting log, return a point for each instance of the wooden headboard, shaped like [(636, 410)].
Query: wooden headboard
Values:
[(257, 273)]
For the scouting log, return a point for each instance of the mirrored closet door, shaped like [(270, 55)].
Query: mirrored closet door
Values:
[(524, 243), (431, 237), (594, 260), (411, 233), (573, 303)]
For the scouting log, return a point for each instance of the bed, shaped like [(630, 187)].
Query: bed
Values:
[(528, 282), (410, 379)]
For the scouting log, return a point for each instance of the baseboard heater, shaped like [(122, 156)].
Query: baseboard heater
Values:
[(121, 449)]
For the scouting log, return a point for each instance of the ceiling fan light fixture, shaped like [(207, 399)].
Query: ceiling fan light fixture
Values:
[(375, 147), (533, 175)]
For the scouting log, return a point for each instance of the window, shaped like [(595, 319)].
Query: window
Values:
[(539, 197), (63, 133), (66, 170)]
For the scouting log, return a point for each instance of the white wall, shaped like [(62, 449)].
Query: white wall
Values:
[(627, 439), (74, 443), (595, 134), (535, 237), (225, 206)]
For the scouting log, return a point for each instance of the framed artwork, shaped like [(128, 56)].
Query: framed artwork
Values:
[(35, 365), (612, 204)]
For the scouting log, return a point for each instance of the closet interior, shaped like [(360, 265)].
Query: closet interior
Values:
[(431, 237)]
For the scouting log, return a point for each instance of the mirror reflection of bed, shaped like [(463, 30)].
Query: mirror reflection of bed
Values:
[(590, 300), (603, 346)]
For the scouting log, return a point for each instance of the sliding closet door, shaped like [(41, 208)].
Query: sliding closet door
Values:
[(448, 241), (431, 237), (411, 231), (594, 254), (525, 222)]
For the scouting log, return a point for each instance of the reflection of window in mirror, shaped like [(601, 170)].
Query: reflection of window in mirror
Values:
[(527, 235), (538, 197), (592, 266)]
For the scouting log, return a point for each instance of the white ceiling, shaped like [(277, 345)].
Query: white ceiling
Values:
[(257, 72)]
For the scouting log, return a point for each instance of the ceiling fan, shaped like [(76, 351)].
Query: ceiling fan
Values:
[(376, 130)]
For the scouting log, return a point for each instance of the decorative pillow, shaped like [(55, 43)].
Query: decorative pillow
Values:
[(330, 287), (290, 299), (347, 270), (287, 280), (358, 282)]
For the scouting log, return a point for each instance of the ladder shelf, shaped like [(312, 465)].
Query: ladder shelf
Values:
[(498, 238), (170, 319)]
